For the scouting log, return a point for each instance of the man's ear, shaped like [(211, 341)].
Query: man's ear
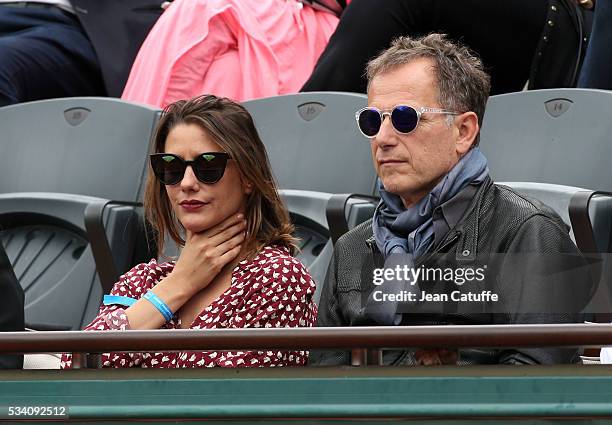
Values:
[(468, 128)]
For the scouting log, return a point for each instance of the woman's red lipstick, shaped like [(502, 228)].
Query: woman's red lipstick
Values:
[(192, 204)]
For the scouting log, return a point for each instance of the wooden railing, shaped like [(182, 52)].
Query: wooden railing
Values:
[(86, 346)]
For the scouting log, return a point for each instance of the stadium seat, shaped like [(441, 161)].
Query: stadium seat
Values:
[(71, 178), (313, 142), (558, 136)]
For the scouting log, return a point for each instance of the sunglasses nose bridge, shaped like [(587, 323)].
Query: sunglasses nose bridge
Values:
[(191, 177), (385, 125)]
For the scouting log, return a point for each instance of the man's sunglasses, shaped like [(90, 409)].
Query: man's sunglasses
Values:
[(208, 167), (404, 118)]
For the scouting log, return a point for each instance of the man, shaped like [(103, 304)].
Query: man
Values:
[(440, 214), (63, 48)]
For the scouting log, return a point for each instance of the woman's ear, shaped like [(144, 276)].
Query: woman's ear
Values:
[(247, 187)]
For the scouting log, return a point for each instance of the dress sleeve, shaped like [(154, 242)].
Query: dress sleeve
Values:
[(133, 284), (281, 298)]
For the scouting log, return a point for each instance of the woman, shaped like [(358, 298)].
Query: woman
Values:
[(211, 189), (241, 49)]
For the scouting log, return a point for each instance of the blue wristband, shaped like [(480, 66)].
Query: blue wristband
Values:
[(159, 305), (118, 300)]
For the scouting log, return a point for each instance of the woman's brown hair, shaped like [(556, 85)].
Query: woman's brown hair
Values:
[(231, 127)]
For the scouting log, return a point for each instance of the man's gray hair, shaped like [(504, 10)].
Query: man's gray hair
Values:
[(463, 85)]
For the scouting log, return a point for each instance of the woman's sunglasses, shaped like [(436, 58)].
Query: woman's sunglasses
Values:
[(404, 118), (208, 167)]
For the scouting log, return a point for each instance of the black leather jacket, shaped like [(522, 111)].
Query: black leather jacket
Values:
[(498, 220)]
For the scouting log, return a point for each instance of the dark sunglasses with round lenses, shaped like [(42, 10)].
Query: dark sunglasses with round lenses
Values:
[(208, 167), (404, 118)]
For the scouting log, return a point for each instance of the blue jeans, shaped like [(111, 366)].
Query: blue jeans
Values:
[(597, 67)]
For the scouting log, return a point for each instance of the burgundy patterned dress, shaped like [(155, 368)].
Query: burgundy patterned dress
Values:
[(273, 290)]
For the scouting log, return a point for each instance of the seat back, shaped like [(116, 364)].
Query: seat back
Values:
[(559, 136), (85, 146), (61, 156), (313, 142)]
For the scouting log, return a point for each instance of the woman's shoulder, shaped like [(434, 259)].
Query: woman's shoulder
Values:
[(275, 266), (277, 257)]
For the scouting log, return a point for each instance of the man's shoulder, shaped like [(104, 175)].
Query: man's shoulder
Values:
[(356, 238), (519, 207), (525, 223)]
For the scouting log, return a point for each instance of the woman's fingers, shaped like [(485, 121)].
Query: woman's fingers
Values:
[(230, 255), (231, 243), (229, 222), (227, 234), (206, 253)]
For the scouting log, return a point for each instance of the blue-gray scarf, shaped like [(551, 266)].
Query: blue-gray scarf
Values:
[(398, 230)]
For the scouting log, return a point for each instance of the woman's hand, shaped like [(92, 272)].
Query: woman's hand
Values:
[(206, 253), (586, 4), (201, 260)]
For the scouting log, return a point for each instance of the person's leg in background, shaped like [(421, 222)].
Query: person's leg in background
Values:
[(596, 70), (504, 34), (365, 28), (45, 54)]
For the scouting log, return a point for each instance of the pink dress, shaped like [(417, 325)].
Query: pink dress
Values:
[(241, 49), (273, 290)]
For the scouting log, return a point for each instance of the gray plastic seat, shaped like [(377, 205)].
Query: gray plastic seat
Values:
[(313, 142), (63, 159), (559, 136)]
